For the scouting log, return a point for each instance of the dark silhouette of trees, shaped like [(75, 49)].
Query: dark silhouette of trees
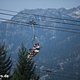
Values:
[(5, 64), (25, 69)]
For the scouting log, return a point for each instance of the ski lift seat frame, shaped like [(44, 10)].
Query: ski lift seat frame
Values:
[(36, 47)]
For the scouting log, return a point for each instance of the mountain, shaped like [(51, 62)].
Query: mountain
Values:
[(60, 50)]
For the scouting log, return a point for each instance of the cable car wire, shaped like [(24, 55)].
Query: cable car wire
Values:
[(42, 20), (41, 15), (39, 26)]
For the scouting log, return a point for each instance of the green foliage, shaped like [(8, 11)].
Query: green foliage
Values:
[(5, 62), (25, 67)]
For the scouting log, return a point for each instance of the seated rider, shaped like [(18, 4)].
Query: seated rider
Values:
[(35, 49)]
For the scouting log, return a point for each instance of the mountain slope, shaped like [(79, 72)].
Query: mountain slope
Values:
[(60, 51)]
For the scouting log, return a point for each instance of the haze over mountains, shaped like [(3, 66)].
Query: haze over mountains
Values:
[(60, 50)]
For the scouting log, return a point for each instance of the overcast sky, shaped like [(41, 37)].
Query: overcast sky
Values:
[(19, 5)]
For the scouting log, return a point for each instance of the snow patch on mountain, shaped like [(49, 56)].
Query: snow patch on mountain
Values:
[(75, 14)]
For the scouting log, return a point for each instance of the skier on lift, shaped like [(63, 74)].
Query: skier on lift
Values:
[(36, 47), (34, 51)]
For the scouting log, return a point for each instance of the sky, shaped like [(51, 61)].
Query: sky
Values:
[(18, 5)]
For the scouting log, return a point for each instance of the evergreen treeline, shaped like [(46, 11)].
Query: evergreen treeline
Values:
[(24, 70), (5, 64)]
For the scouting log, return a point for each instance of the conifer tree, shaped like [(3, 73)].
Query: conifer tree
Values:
[(25, 69), (5, 64)]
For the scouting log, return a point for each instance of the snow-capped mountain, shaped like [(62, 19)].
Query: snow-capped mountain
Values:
[(60, 50)]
